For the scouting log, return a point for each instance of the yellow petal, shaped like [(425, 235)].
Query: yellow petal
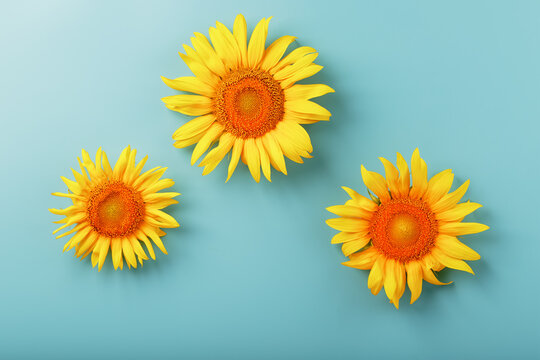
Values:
[(155, 238), (103, 250), (363, 260), (194, 105), (265, 161), (291, 58), (458, 212), (251, 153), (129, 255), (240, 34), (301, 74), (449, 200), (190, 84), (350, 211), (275, 51), (72, 185), (188, 142), (429, 276), (404, 176), (226, 49), (214, 131), (236, 152), (307, 107), (376, 183), (451, 246), (200, 70), (348, 224), (290, 70), (208, 55), (137, 248), (438, 186), (296, 133), (274, 152), (306, 92), (392, 176), (287, 147), (376, 275), (230, 41), (360, 200), (116, 252), (215, 155), (400, 283), (257, 43), (343, 237), (390, 281), (106, 165), (450, 262), (353, 246), (159, 185), (414, 279), (456, 229), (419, 175), (142, 236)]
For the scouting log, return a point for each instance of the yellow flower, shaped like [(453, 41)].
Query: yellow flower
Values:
[(247, 99), (404, 232), (116, 208)]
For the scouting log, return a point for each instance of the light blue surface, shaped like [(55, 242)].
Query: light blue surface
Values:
[(251, 274)]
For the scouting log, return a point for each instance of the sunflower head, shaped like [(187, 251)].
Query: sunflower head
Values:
[(406, 230), (116, 208), (246, 99)]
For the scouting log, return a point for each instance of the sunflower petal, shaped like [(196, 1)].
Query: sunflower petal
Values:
[(456, 229), (363, 260), (392, 176), (240, 34), (376, 183), (458, 212), (353, 246), (236, 152), (190, 84), (419, 175), (343, 237), (404, 176), (275, 51), (451, 262), (301, 74), (274, 152), (251, 153), (214, 131), (451, 246), (348, 224), (414, 279), (438, 186), (449, 200), (376, 275), (291, 58), (256, 45)]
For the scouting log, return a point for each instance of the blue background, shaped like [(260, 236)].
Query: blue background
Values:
[(251, 273)]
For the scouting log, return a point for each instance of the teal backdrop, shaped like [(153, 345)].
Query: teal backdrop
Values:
[(251, 273)]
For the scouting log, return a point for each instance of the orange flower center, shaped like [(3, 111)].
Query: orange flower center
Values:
[(115, 209), (249, 103), (404, 229)]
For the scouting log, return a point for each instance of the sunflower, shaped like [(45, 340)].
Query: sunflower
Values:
[(246, 99), (116, 208), (404, 233)]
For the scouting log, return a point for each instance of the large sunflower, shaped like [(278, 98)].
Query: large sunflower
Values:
[(404, 233), (247, 99), (116, 208)]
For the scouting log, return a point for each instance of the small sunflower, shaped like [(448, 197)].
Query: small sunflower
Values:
[(404, 233), (246, 99), (116, 208)]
